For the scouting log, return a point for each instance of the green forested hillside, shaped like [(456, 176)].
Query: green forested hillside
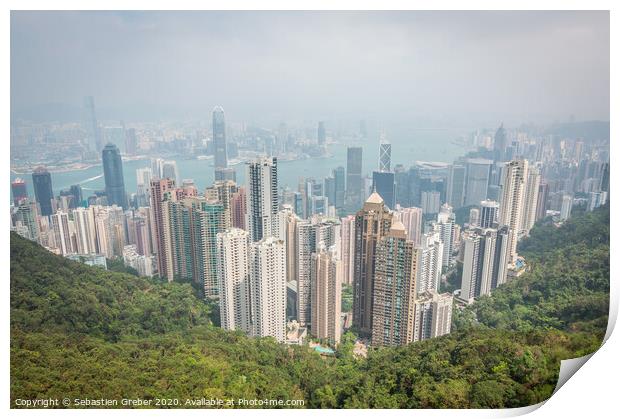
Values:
[(566, 287), (82, 332)]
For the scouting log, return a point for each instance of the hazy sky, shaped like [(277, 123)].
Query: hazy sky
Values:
[(439, 66)]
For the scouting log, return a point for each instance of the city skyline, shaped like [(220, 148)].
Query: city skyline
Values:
[(345, 209)]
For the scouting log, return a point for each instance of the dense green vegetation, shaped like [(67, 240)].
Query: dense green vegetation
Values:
[(346, 298), (567, 286), (78, 331)]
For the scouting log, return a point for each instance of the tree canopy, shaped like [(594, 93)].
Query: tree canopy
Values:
[(83, 332)]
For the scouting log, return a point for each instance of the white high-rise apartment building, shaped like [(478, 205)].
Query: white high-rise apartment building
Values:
[(512, 202), (84, 219), (567, 206), (310, 235), (233, 275), (347, 248), (63, 229), (530, 200), (432, 315), (485, 261), (326, 272), (445, 228), (430, 263), (268, 288), (262, 198)]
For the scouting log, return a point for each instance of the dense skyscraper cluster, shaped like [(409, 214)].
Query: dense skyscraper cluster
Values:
[(352, 251)]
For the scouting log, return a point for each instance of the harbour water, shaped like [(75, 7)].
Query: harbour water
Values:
[(425, 145)]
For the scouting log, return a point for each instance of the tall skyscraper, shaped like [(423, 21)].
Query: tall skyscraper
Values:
[(161, 190), (268, 288), (347, 251), (63, 229), (385, 155), (288, 234), (445, 228), (402, 186), (354, 178), (383, 184), (455, 194), (512, 202), (224, 191), (500, 143), (530, 200), (488, 214), (234, 278), (430, 263), (485, 261), (394, 288), (372, 222), (113, 175), (238, 208), (541, 202), (477, 180), (42, 183), (194, 223), (76, 193), (340, 182), (321, 136), (311, 234), (262, 198), (19, 190), (92, 126), (329, 187), (326, 281), (84, 219), (219, 138)]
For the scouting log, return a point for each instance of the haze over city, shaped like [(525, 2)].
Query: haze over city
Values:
[(446, 69)]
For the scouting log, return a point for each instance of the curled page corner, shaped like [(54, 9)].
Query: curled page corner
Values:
[(568, 367)]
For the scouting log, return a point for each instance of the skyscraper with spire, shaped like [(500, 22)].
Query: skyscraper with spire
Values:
[(219, 139), (385, 154)]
